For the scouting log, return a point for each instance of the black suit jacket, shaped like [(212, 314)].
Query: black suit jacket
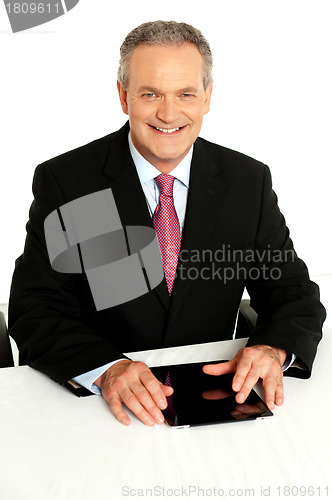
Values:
[(230, 206)]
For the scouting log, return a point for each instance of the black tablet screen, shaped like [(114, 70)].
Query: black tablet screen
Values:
[(201, 399)]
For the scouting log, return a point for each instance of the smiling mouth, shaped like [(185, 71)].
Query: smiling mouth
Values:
[(167, 130)]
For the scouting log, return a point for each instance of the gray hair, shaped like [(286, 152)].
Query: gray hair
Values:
[(164, 33)]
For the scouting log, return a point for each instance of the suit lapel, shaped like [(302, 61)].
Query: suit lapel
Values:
[(129, 197), (204, 196)]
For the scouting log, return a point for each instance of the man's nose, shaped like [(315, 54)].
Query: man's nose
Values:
[(168, 110)]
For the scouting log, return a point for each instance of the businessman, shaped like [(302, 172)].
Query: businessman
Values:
[(219, 230)]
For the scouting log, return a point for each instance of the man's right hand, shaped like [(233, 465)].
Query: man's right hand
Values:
[(133, 383)]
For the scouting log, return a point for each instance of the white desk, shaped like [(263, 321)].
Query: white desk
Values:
[(55, 446)]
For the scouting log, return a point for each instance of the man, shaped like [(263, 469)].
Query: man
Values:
[(219, 203)]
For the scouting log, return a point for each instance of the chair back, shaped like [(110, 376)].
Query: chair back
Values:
[(246, 320), (6, 355)]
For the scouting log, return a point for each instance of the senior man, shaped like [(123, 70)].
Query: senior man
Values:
[(204, 201)]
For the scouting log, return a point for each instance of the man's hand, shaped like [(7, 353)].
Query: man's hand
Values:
[(133, 383), (249, 365)]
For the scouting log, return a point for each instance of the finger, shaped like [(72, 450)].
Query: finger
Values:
[(167, 389), (274, 392), (147, 398), (145, 388), (154, 388), (269, 385), (243, 368), (220, 368), (279, 394), (131, 401), (247, 386), (117, 410)]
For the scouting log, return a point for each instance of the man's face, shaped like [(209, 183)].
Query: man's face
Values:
[(165, 101)]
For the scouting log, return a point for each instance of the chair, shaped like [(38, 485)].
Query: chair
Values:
[(246, 321), (6, 355)]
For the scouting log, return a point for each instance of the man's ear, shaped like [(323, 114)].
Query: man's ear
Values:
[(207, 98), (123, 98)]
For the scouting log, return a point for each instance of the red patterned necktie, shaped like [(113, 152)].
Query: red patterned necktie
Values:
[(170, 412), (167, 226)]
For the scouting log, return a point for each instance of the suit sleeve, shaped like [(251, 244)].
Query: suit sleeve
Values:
[(50, 318), (290, 315)]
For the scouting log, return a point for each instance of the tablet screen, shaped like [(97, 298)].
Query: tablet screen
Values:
[(201, 399)]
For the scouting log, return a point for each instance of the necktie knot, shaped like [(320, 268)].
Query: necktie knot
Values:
[(165, 184)]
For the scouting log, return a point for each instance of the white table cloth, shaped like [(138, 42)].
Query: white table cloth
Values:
[(55, 446)]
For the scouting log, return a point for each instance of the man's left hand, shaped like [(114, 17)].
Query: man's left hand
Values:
[(249, 365)]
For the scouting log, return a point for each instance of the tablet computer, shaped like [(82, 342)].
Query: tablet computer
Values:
[(201, 399)]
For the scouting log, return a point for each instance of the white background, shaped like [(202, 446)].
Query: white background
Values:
[(271, 100)]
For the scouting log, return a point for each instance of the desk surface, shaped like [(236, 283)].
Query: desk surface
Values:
[(57, 446)]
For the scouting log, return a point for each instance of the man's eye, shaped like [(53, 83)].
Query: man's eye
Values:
[(149, 95)]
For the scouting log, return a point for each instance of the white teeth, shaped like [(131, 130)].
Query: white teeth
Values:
[(167, 130)]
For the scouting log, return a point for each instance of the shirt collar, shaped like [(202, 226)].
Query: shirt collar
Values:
[(146, 171)]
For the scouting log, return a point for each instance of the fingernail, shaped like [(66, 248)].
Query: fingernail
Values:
[(240, 397), (160, 420), (236, 387), (270, 404), (279, 401), (162, 405)]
